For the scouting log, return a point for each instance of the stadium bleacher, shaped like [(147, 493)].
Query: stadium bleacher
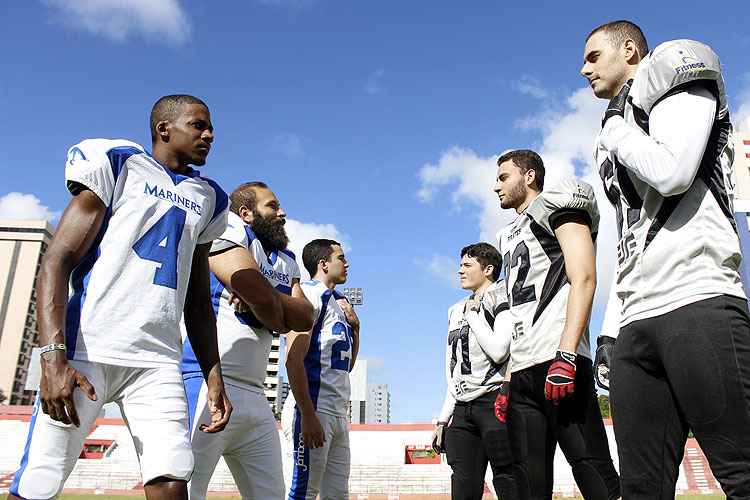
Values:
[(378, 467)]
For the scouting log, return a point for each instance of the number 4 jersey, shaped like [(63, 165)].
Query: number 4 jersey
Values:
[(329, 356), (127, 293), (535, 275)]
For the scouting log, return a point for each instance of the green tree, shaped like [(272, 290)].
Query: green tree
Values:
[(604, 406)]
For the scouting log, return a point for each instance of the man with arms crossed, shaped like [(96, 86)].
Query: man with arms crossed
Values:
[(250, 260), (473, 417), (133, 243), (550, 270), (318, 363), (680, 361)]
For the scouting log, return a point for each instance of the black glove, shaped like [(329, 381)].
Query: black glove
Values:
[(604, 347), (617, 104), (438, 437)]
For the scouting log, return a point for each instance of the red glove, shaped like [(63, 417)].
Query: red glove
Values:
[(501, 402), (561, 376)]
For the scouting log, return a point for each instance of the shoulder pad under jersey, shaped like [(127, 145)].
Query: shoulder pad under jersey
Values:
[(676, 63), (495, 299), (566, 196)]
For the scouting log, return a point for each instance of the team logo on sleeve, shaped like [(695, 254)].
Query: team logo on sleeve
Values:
[(75, 153)]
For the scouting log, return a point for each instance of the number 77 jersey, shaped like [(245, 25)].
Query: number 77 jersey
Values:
[(534, 270), (127, 293)]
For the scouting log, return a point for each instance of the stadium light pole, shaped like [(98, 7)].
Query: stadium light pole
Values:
[(353, 295)]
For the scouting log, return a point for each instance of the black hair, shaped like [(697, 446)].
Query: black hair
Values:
[(526, 159), (619, 31), (315, 251), (486, 255), (168, 108)]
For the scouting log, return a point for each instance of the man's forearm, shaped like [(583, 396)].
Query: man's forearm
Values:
[(355, 346), (300, 388), (298, 313), (580, 299), (200, 324), (267, 306)]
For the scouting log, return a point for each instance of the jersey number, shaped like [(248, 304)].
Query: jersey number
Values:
[(454, 337), (160, 243), (341, 351), (519, 294)]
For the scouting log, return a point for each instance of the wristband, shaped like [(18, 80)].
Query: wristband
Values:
[(52, 347)]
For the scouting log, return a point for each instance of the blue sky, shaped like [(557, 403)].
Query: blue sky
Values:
[(373, 121)]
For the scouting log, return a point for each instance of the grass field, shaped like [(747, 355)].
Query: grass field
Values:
[(373, 497)]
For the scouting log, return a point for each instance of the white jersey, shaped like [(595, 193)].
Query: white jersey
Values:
[(329, 357), (674, 249), (534, 270), (128, 292), (244, 343), (470, 371)]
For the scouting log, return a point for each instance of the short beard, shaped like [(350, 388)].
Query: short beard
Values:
[(515, 197), (271, 233)]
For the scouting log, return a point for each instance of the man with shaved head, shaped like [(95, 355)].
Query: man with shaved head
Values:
[(133, 246), (677, 335)]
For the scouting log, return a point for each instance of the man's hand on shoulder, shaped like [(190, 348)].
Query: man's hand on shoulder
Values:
[(348, 309), (616, 106)]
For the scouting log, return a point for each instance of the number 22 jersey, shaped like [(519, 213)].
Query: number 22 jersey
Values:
[(329, 356), (535, 272), (127, 293)]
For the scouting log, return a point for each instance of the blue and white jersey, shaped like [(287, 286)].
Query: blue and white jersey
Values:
[(329, 357), (244, 343), (128, 292)]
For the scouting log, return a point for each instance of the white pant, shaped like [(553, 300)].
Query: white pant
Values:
[(152, 402), (250, 443), (323, 470)]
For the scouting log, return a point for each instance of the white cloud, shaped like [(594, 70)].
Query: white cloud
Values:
[(741, 116), (25, 206), (118, 19), (528, 85), (287, 144), (565, 137), (444, 268), (301, 233), (374, 84)]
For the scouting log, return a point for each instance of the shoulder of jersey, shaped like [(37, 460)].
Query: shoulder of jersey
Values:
[(313, 286), (90, 149), (458, 306), (673, 64), (496, 293), (237, 231), (567, 195)]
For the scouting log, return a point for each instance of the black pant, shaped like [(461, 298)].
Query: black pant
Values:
[(537, 426), (687, 369), (474, 436)]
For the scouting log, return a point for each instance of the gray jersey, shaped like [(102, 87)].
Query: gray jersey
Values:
[(470, 371), (676, 249), (534, 270)]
